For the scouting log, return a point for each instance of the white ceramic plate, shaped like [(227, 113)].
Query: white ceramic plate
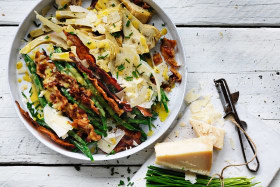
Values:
[(176, 96)]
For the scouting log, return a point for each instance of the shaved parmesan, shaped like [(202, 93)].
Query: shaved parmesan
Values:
[(204, 129), (191, 96), (58, 123), (48, 23), (75, 8), (108, 143)]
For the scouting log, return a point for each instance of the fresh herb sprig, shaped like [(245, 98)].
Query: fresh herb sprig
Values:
[(163, 177)]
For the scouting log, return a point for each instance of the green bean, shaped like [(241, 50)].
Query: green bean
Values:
[(164, 99), (35, 78), (83, 148), (138, 121), (75, 136), (76, 74)]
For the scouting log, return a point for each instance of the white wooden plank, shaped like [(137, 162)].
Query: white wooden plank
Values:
[(231, 50), (69, 176), (63, 176), (182, 12)]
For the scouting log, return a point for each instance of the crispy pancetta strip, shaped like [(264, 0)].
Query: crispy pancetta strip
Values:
[(176, 74), (157, 59), (167, 49), (127, 141), (111, 101), (43, 130), (83, 54), (142, 4), (145, 111)]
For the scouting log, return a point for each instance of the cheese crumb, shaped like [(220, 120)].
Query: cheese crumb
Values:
[(189, 176), (182, 124), (191, 96), (232, 143)]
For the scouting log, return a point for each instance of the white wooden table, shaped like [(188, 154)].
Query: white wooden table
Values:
[(238, 40)]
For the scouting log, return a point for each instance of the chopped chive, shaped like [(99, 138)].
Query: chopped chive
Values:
[(121, 67), (23, 95), (102, 57), (137, 72), (113, 5), (117, 74), (129, 78), (134, 74), (121, 183), (128, 23), (114, 25), (47, 37), (89, 43), (129, 35), (138, 65), (112, 152), (163, 24), (72, 33), (127, 60)]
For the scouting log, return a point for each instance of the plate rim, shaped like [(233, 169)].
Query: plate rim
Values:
[(48, 143)]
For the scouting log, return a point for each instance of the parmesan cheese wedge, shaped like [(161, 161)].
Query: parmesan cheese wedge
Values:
[(204, 129), (193, 155)]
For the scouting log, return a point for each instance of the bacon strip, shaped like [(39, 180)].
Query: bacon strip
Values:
[(167, 50), (43, 130), (111, 101), (83, 54), (127, 141), (145, 111), (157, 59), (176, 74)]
